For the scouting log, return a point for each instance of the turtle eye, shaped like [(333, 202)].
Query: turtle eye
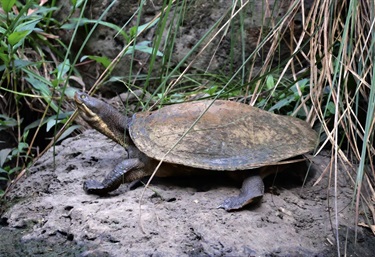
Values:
[(83, 96)]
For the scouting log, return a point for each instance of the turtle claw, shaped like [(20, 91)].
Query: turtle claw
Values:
[(228, 205), (237, 202)]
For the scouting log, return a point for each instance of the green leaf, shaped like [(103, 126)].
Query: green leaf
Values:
[(20, 148), (212, 90), (303, 84), (22, 63), (7, 122), (67, 132), (70, 92), (14, 170), (28, 26), (283, 102), (148, 25), (55, 119), (4, 155), (42, 85), (39, 85), (7, 5), (17, 37), (77, 3), (62, 69), (143, 47), (83, 21), (51, 121), (331, 107), (25, 134), (100, 59), (270, 83)]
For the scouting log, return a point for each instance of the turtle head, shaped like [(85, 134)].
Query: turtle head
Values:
[(102, 117)]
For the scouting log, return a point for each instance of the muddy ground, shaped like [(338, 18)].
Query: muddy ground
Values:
[(52, 216)]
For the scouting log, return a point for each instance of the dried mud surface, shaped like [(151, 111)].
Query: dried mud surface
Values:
[(52, 216)]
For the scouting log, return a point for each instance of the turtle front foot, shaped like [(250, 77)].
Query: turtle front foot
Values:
[(126, 170), (237, 202), (94, 187), (252, 191)]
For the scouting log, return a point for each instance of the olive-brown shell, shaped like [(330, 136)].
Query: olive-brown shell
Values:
[(229, 135)]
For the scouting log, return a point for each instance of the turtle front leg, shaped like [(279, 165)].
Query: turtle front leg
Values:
[(252, 190), (126, 171)]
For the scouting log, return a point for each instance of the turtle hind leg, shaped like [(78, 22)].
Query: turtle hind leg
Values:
[(126, 171), (252, 190)]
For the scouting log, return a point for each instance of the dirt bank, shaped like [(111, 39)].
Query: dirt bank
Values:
[(52, 215)]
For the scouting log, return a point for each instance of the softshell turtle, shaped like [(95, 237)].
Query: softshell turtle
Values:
[(228, 136)]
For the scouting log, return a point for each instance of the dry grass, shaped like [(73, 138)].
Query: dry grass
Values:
[(343, 48), (342, 97)]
